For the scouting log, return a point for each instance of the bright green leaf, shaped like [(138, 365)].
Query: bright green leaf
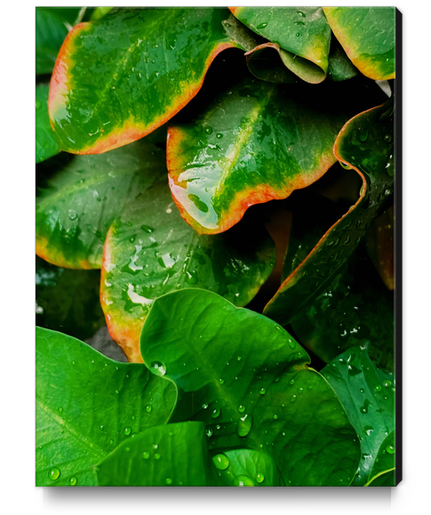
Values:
[(368, 396), (151, 251), (245, 467), (68, 300), (248, 380), (79, 197), (367, 34), (365, 144), (169, 455), (122, 76), (86, 405)]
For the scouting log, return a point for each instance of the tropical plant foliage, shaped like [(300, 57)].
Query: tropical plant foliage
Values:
[(216, 186)]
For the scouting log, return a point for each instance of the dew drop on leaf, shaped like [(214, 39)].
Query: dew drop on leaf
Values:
[(54, 474), (73, 481), (244, 425), (158, 368), (127, 431), (260, 478), (244, 481), (221, 461)]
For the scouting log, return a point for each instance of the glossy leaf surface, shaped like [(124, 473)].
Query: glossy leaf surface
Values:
[(122, 76), (302, 33), (248, 380), (245, 467), (367, 35), (252, 143), (86, 405), (150, 251), (365, 143), (383, 473), (368, 396), (79, 197), (46, 146), (354, 309), (68, 300), (52, 26), (169, 455)]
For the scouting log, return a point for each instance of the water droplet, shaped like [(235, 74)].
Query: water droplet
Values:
[(275, 417), (158, 368), (73, 214), (219, 135), (386, 383), (127, 431), (301, 13), (102, 428), (221, 461), (292, 344), (221, 381), (168, 481), (387, 138), (147, 229), (209, 432), (378, 388), (73, 481), (244, 425), (215, 413), (148, 408), (146, 455), (260, 478), (262, 26), (54, 474), (298, 34), (155, 446), (244, 481), (390, 449), (205, 406), (262, 391), (208, 130), (157, 456), (241, 408), (191, 277), (388, 192)]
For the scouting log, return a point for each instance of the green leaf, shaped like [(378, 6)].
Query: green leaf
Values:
[(150, 251), (367, 34), (86, 405), (46, 146), (122, 76), (368, 396), (365, 144), (52, 26), (383, 472), (99, 12), (170, 455), (302, 33), (245, 467), (251, 143), (79, 197), (340, 66), (68, 300), (248, 380)]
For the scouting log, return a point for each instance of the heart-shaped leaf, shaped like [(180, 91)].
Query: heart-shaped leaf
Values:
[(302, 35), (365, 144), (245, 467), (169, 455), (79, 197), (86, 405), (68, 300), (367, 34), (248, 380), (120, 77), (150, 251), (52, 26), (368, 396), (251, 143), (46, 146)]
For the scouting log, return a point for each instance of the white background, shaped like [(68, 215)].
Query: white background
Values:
[(18, 493)]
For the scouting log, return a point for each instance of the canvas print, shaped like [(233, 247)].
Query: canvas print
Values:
[(217, 220)]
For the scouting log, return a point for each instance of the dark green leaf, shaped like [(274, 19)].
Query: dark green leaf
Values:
[(86, 405), (68, 300), (46, 146), (383, 472), (365, 144), (79, 197), (169, 455), (248, 380), (368, 396)]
